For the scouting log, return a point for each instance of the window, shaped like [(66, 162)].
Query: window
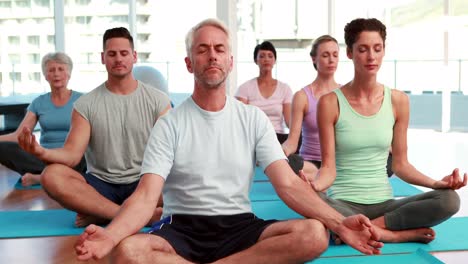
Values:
[(34, 58), (5, 4), (121, 19), (142, 19), (14, 40), (42, 3), (14, 58), (33, 41), (123, 2), (81, 2), (83, 20), (34, 76), (22, 3), (143, 37), (51, 39), (15, 77), (89, 58), (143, 56)]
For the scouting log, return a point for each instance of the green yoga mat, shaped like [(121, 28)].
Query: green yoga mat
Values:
[(451, 235), (263, 191), (420, 256), (60, 222)]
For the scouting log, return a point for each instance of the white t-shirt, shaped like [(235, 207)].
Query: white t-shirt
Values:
[(272, 106), (208, 158)]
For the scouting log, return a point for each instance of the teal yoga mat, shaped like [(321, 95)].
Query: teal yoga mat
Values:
[(450, 235), (19, 186), (16, 224), (263, 191), (419, 256)]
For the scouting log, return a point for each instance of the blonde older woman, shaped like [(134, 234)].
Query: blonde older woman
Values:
[(53, 112)]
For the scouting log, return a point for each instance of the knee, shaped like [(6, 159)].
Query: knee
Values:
[(127, 250), (449, 202), (52, 176), (312, 238)]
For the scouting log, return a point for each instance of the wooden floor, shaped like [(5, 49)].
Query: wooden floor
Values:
[(432, 152), (32, 250)]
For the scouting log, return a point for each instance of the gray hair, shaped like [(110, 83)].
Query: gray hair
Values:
[(59, 57), (207, 22)]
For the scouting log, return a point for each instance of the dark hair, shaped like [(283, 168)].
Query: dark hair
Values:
[(265, 45), (317, 42), (355, 27), (118, 32)]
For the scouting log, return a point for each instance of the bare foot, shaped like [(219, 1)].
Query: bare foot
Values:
[(336, 239), (421, 235), (85, 220), (29, 179), (156, 216)]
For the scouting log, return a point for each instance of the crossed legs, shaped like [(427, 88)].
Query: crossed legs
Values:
[(407, 219), (70, 189), (294, 241)]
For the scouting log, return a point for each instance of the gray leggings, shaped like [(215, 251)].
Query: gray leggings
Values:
[(423, 210)]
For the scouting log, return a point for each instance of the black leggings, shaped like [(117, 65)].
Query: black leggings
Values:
[(15, 158)]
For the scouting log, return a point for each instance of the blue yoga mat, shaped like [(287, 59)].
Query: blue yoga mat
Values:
[(263, 191), (19, 186), (451, 235), (60, 222), (420, 256)]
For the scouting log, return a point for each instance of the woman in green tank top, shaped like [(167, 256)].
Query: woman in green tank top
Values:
[(358, 124)]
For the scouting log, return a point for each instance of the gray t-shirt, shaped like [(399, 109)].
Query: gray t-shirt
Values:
[(120, 127), (208, 158)]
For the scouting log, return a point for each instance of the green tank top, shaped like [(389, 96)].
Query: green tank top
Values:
[(362, 144)]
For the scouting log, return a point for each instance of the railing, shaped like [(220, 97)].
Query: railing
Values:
[(412, 76)]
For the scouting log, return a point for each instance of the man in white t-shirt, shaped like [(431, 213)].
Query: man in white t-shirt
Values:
[(204, 153)]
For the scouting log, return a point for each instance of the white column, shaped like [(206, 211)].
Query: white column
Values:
[(446, 94), (226, 11), (59, 18), (331, 18), (132, 27)]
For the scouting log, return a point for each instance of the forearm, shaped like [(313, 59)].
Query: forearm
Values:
[(325, 178), (300, 197), (134, 214), (137, 210), (63, 156), (410, 174)]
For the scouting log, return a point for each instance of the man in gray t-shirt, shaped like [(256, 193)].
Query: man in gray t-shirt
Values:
[(111, 126)]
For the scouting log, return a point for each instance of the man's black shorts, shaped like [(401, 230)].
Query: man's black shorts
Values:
[(205, 239)]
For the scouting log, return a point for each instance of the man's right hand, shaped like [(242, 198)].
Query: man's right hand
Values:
[(27, 141), (358, 232), (94, 243)]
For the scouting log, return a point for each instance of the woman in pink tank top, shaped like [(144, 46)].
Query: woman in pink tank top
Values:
[(269, 94)]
